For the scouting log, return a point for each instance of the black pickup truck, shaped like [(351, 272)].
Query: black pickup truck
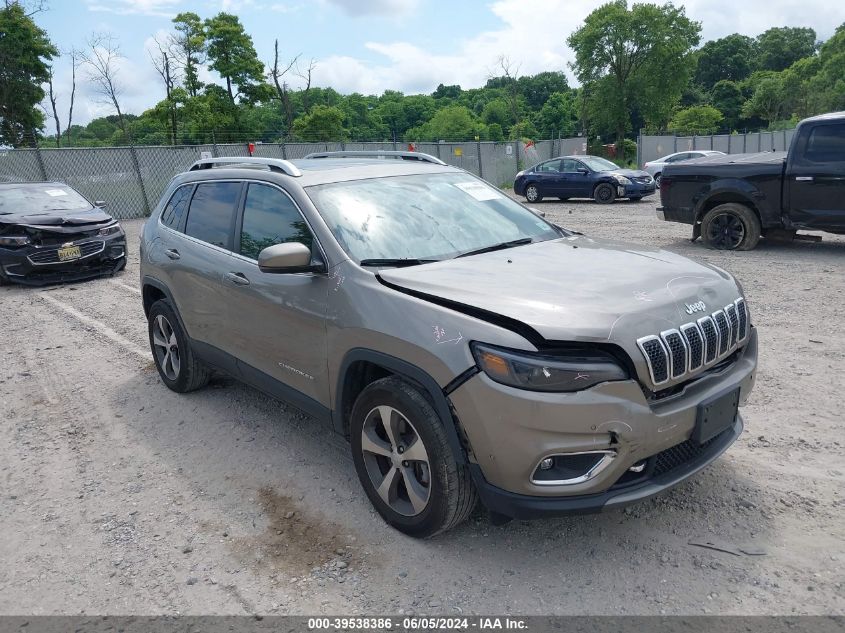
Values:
[(732, 201)]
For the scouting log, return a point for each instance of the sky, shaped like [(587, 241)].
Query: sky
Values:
[(369, 46)]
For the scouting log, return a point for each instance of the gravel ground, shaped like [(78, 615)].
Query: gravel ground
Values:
[(120, 497)]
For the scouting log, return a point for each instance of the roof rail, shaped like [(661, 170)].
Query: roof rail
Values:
[(418, 156), (273, 164)]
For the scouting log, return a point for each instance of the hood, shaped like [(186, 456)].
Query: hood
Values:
[(631, 173), (53, 220), (576, 288)]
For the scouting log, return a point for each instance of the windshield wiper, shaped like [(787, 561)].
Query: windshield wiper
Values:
[(498, 247), (396, 262)]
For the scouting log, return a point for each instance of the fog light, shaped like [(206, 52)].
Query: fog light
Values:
[(547, 463)]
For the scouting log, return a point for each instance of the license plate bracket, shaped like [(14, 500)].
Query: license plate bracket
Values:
[(715, 415), (69, 252)]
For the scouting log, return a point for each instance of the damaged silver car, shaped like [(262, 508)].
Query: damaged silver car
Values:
[(466, 347)]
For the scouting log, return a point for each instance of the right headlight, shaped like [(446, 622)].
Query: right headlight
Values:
[(622, 180), (14, 240), (571, 370)]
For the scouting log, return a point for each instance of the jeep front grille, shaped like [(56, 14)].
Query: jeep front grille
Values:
[(694, 346)]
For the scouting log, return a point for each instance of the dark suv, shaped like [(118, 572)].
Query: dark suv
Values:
[(465, 346)]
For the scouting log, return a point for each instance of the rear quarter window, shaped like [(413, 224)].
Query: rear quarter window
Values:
[(212, 213), (176, 206)]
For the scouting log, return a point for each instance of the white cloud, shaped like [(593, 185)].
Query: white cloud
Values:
[(533, 36), (164, 8), (387, 8)]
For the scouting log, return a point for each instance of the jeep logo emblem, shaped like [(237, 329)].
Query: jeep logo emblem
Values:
[(692, 308)]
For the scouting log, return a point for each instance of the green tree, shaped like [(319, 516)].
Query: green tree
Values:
[(770, 99), (190, 44), (497, 111), (824, 86), (25, 53), (323, 123), (559, 115), (637, 56), (538, 88), (696, 120), (727, 97), (232, 54), (729, 58), (780, 47)]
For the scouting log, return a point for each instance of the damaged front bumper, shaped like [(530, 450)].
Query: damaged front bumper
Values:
[(653, 442), (37, 265)]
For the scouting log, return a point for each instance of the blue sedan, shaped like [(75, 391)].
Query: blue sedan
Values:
[(582, 177)]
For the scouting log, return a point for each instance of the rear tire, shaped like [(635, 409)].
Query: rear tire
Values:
[(532, 193), (604, 193), (176, 362), (730, 226), (657, 181), (408, 472)]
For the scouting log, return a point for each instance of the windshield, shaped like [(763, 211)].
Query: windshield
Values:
[(598, 164), (40, 199), (425, 216)]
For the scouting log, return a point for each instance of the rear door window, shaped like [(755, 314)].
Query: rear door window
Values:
[(270, 217), (212, 213), (826, 144), (175, 209)]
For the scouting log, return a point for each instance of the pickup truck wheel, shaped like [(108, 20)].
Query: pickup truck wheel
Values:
[(532, 193), (403, 459), (731, 226), (605, 193)]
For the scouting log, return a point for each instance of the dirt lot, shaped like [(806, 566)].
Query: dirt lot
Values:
[(120, 497)]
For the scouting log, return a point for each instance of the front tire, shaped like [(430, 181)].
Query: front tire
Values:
[(604, 193), (532, 193), (730, 226), (404, 461), (657, 181), (177, 365)]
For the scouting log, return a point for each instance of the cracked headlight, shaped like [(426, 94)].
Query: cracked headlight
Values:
[(570, 370), (110, 230), (14, 240), (622, 180)]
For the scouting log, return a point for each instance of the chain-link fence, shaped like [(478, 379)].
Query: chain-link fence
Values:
[(654, 147), (131, 179)]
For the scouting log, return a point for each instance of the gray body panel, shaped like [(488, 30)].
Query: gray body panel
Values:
[(300, 330)]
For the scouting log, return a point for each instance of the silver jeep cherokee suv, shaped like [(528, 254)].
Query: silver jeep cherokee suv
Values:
[(464, 345)]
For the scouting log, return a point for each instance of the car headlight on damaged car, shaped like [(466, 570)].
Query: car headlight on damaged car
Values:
[(564, 371), (622, 180), (14, 240), (110, 230)]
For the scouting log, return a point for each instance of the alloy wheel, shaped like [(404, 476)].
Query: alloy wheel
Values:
[(396, 460), (726, 231), (166, 347), (531, 193)]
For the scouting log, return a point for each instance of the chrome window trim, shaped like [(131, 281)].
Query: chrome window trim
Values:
[(640, 343), (663, 336), (601, 465), (47, 249)]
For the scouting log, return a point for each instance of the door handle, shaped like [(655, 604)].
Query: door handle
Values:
[(172, 253), (237, 279), (804, 178)]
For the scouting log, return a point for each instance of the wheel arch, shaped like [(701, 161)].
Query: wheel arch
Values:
[(361, 367), (153, 290), (723, 197)]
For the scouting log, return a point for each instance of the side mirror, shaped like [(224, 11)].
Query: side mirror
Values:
[(100, 203), (290, 257), (542, 214)]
